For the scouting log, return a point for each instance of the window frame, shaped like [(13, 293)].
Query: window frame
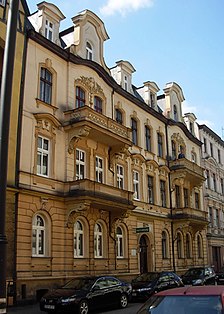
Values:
[(160, 144), (197, 200), (80, 164), (99, 171), (46, 85), (186, 197), (163, 193), (89, 51), (78, 240), (165, 248), (40, 233), (98, 104), (98, 241), (179, 245), (177, 196), (118, 116), (42, 153), (148, 144), (150, 186), (120, 242), (136, 185), (199, 246), (49, 30), (134, 131), (120, 176), (80, 97)]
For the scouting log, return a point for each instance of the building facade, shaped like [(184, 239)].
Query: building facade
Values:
[(110, 175), (14, 133), (212, 161)]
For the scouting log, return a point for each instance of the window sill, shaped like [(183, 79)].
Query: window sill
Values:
[(42, 103)]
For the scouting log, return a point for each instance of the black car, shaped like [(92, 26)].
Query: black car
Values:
[(145, 285), (220, 276), (80, 295), (199, 276)]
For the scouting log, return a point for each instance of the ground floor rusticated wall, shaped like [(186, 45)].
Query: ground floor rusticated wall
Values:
[(144, 247)]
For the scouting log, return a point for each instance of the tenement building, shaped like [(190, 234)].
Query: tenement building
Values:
[(212, 161), (110, 178)]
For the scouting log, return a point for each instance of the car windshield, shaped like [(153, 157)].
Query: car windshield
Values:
[(79, 283), (185, 305), (146, 277), (195, 272)]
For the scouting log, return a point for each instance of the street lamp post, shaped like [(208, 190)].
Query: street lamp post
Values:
[(5, 106)]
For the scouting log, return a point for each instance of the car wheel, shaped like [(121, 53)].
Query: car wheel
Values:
[(83, 307), (123, 301)]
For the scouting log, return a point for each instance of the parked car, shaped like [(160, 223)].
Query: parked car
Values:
[(80, 295), (199, 276), (220, 276), (186, 300), (144, 285)]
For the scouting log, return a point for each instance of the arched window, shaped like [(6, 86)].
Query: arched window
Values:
[(188, 246), (89, 51), (80, 97), (98, 104), (179, 245), (120, 242), (134, 131), (164, 245), (98, 240), (78, 239), (199, 246), (38, 236), (160, 144), (118, 116), (175, 113), (45, 85)]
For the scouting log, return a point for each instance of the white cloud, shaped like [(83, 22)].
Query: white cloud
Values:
[(124, 6)]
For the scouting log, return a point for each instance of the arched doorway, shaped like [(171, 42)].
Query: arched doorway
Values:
[(143, 249)]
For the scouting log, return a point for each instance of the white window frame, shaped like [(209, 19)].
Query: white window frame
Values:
[(80, 172), (126, 82), (89, 51), (120, 176), (136, 185), (38, 236), (120, 242), (78, 239), (49, 30), (98, 241), (99, 169), (43, 153)]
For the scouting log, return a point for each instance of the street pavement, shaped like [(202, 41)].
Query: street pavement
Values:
[(34, 309)]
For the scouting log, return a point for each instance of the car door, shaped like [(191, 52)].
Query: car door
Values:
[(163, 283), (98, 296)]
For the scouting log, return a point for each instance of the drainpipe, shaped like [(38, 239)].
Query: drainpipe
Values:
[(171, 203)]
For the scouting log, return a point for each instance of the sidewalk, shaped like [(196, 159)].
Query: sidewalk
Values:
[(26, 309)]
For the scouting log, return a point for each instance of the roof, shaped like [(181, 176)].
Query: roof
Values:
[(193, 290)]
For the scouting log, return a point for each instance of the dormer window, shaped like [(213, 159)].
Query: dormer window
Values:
[(152, 100), (191, 128), (89, 51), (175, 114), (125, 82), (49, 30)]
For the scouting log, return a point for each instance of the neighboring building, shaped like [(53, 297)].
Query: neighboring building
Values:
[(15, 128), (213, 162), (102, 187)]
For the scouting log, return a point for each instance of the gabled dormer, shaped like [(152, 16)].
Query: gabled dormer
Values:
[(122, 73), (190, 121), (46, 21), (86, 39), (149, 93), (174, 98)]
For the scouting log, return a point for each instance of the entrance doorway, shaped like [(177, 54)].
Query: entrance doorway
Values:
[(216, 257), (143, 248)]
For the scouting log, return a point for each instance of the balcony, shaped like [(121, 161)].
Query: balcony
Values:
[(86, 122), (187, 170), (102, 196), (195, 218)]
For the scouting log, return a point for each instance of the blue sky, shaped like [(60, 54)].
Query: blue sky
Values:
[(166, 40)]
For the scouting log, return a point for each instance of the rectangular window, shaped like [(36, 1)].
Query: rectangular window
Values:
[(208, 179), (80, 97), (160, 145), (205, 145), (99, 169), (222, 186), (163, 192), (219, 157), (120, 176), (136, 184), (134, 131), (197, 205), (186, 197), (98, 104), (45, 85), (147, 139), (49, 30), (80, 164), (217, 217), (43, 152), (211, 149), (210, 216), (177, 194), (150, 190), (214, 182)]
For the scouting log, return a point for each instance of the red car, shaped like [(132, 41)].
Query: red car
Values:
[(186, 300)]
